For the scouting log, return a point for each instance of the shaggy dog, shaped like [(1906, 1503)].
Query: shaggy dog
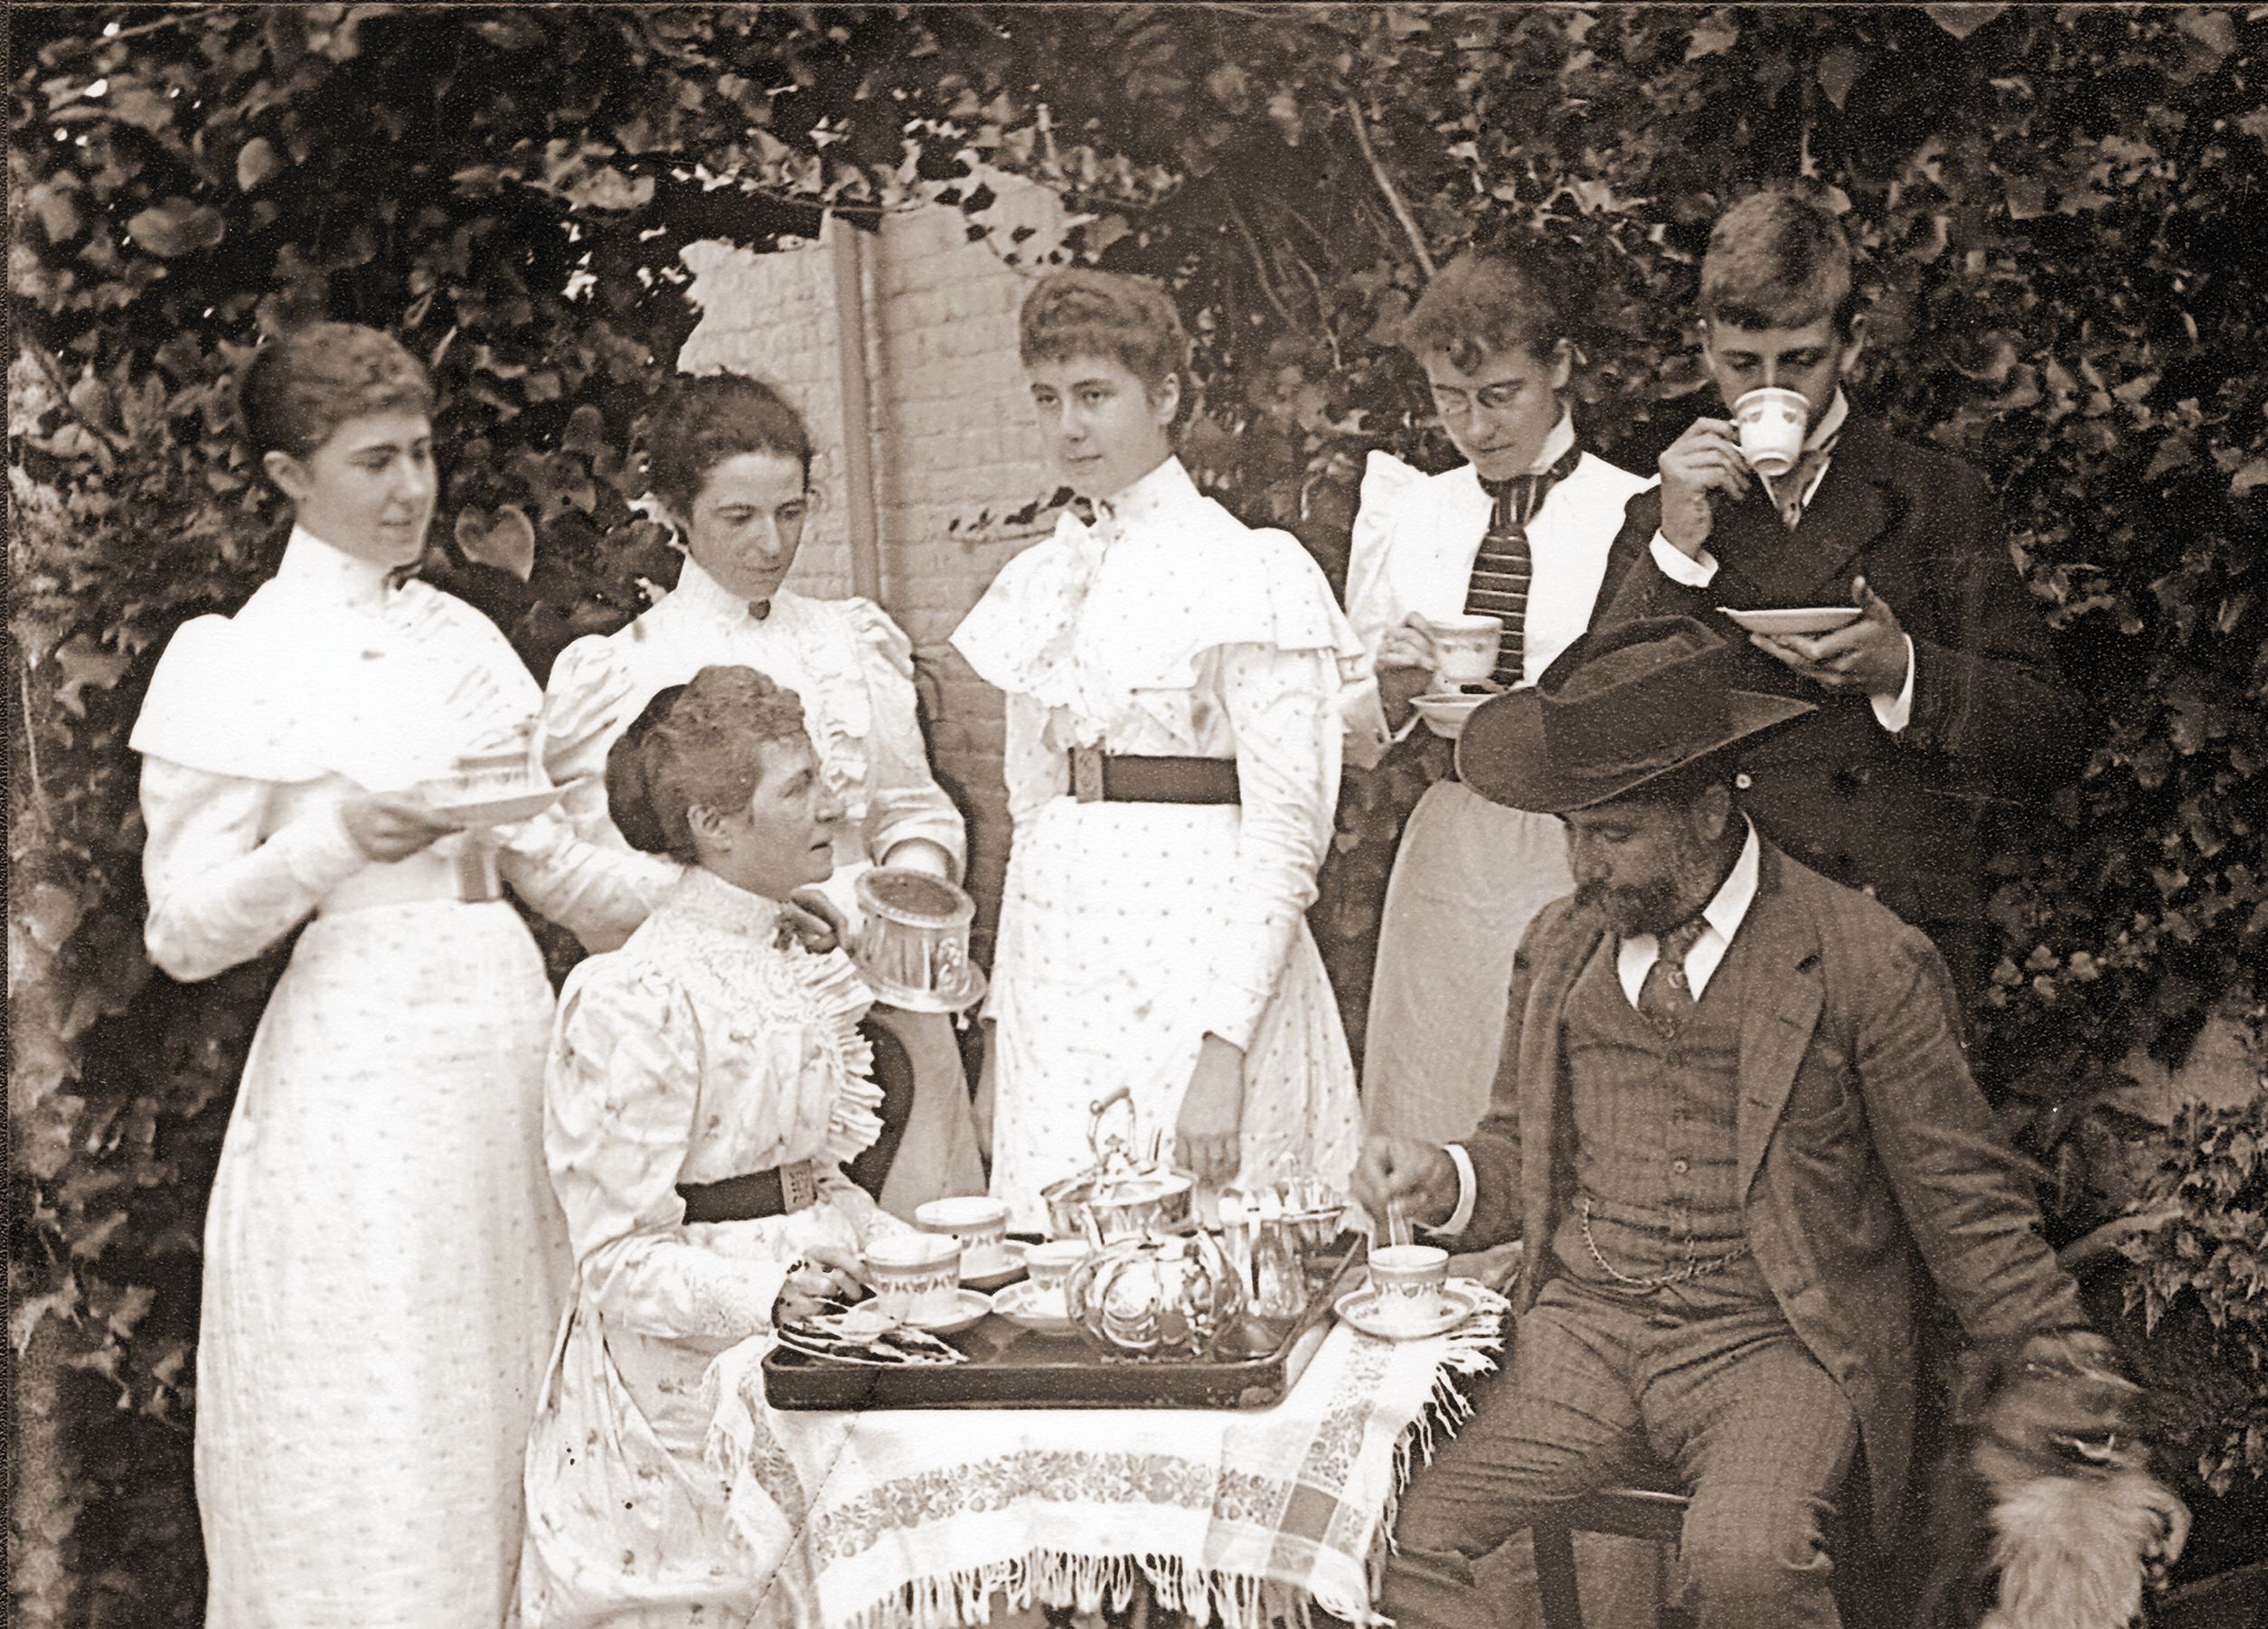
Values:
[(2045, 1514)]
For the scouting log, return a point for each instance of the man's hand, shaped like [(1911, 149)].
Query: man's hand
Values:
[(1705, 460), (1405, 666), (388, 827), (1419, 1176), (1867, 657), (1206, 1134)]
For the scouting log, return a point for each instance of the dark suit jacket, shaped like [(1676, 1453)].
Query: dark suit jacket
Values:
[(1865, 1149), (1904, 814)]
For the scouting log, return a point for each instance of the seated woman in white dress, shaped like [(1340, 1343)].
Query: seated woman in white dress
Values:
[(1172, 679), (706, 1082), (1524, 531), (729, 461), (384, 1264)]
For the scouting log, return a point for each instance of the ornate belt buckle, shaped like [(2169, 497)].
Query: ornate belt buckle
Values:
[(1086, 774), (798, 1188)]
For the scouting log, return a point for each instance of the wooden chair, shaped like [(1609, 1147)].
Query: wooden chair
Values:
[(1653, 1508)]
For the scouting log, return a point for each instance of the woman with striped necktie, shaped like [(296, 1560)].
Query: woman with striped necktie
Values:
[(1522, 532)]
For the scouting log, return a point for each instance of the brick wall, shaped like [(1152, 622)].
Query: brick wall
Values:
[(953, 437)]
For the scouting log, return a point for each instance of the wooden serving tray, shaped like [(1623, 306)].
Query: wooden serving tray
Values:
[(1012, 1367)]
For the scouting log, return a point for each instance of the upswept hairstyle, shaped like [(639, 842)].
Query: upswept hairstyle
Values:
[(300, 386), (1131, 320), (701, 421), (695, 746), (1778, 259), (1483, 304)]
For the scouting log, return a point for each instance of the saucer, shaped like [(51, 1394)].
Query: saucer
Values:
[(973, 1305), (967, 992), (1801, 620), (999, 1275), (494, 811), (1445, 711), (1361, 1309), (1020, 1304)]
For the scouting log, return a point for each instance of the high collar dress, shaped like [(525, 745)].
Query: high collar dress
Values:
[(702, 1049), (852, 668), (1469, 875), (1129, 931), (384, 1261)]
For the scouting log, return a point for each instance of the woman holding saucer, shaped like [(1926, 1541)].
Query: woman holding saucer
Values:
[(706, 1083), (1522, 533), (729, 461), (383, 1260), (1172, 764)]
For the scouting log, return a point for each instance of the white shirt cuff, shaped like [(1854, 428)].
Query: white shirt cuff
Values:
[(1461, 1217), (1694, 570), (319, 852), (1894, 713)]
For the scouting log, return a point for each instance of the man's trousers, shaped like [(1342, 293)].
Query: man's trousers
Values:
[(1705, 1378)]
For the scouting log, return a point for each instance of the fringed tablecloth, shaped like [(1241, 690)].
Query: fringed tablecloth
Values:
[(912, 1518)]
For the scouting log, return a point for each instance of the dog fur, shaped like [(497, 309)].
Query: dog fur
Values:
[(2046, 1515)]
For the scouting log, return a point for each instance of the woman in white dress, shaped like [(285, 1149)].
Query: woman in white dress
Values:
[(1172, 764), (383, 1261), (1523, 532), (729, 461), (706, 1082)]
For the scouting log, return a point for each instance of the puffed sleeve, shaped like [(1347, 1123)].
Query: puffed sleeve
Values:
[(1034, 771), (1371, 608), (903, 799), (602, 890), (621, 1094), (1282, 707), (218, 893), (597, 891)]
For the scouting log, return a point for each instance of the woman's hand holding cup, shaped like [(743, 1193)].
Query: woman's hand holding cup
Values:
[(388, 827), (1405, 666)]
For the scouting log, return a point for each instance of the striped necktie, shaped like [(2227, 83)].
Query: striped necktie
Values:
[(1504, 566)]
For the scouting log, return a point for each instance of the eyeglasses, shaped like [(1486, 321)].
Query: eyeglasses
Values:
[(1490, 397)]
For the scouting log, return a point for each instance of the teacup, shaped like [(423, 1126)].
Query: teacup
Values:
[(1772, 422), (1464, 648), (980, 1223), (1408, 1281), (1050, 1264), (916, 1276)]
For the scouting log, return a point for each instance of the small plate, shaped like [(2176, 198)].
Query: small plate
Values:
[(1801, 620), (1445, 710), (1359, 1308), (967, 994), (495, 811), (1020, 1304), (974, 1305), (998, 1275)]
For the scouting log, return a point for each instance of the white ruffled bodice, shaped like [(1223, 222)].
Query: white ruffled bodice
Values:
[(1108, 627)]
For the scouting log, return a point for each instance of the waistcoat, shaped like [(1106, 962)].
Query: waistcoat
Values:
[(1654, 1118)]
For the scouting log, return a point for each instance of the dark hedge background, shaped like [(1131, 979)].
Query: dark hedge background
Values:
[(2060, 211)]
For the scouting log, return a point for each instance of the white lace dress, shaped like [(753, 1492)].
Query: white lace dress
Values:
[(1128, 931), (701, 1050), (384, 1263), (853, 667)]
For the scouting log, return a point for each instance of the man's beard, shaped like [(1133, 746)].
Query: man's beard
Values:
[(1658, 906)]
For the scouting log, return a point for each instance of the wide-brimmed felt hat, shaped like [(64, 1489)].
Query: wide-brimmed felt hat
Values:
[(1623, 705)]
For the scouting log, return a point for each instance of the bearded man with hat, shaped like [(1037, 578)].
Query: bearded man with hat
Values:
[(1731, 1122)]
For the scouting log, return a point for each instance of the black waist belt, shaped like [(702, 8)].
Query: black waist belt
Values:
[(774, 1193), (1098, 776)]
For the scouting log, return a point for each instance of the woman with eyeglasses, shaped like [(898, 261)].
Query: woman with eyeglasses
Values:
[(1522, 532)]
